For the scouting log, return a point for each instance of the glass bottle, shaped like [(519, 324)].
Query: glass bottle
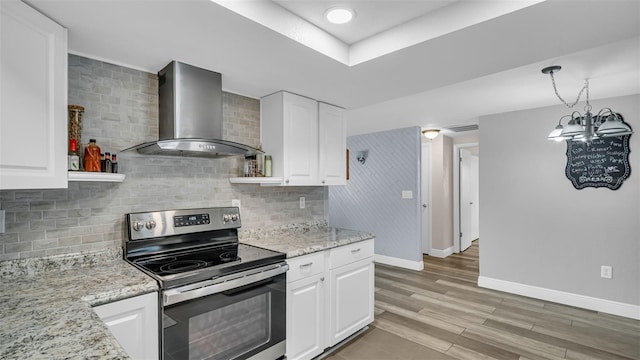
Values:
[(74, 159), (107, 162), (92, 157), (114, 164), (267, 165)]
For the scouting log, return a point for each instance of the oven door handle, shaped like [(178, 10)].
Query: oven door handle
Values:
[(210, 287)]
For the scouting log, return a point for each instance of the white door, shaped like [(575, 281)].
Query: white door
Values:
[(301, 140), (33, 100), (351, 297), (333, 145), (305, 318), (475, 191), (466, 198), (425, 183)]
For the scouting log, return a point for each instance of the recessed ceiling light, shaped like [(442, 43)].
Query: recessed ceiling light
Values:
[(339, 15)]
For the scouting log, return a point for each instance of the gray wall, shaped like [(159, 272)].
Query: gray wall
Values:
[(122, 110), (371, 200), (537, 229), (442, 193)]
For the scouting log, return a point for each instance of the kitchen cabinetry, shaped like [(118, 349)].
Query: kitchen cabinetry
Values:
[(333, 145), (305, 307), (307, 139), (134, 323), (351, 290), (33, 100), (329, 298)]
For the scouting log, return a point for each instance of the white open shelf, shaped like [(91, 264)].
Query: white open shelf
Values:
[(95, 176), (255, 180)]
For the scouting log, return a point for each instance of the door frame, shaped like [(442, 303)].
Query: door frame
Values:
[(425, 197), (456, 193)]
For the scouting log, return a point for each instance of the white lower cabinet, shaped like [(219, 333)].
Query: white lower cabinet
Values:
[(305, 318), (134, 323), (329, 297), (351, 299)]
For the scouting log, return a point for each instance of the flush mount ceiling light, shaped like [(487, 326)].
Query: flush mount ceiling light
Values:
[(606, 123), (430, 133), (339, 15)]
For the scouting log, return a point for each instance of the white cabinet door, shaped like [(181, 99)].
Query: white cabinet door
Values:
[(333, 145), (134, 323), (351, 299), (305, 318), (33, 99), (300, 140)]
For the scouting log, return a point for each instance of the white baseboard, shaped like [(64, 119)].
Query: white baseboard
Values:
[(581, 301), (403, 263), (441, 253)]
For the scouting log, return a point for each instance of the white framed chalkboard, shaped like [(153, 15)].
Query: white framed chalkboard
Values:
[(603, 163)]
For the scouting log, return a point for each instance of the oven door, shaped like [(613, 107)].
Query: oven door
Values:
[(240, 316)]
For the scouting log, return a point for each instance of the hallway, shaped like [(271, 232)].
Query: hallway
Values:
[(440, 313)]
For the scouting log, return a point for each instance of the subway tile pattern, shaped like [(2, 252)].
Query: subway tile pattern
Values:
[(121, 110)]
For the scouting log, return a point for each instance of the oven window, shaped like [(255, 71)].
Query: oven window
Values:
[(232, 330), (232, 325)]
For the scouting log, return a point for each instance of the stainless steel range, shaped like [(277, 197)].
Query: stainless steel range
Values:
[(220, 299)]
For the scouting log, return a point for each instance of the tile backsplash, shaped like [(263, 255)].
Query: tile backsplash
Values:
[(121, 110)]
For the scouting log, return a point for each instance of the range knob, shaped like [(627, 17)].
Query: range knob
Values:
[(234, 217), (226, 218), (150, 224), (138, 225)]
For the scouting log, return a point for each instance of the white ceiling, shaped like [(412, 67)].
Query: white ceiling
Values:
[(458, 73), (372, 17)]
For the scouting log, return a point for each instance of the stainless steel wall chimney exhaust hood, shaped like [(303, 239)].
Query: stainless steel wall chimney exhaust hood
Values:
[(191, 115)]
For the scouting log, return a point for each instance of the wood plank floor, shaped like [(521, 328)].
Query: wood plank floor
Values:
[(441, 313)]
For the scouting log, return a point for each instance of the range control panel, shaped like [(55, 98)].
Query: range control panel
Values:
[(147, 225), (190, 220)]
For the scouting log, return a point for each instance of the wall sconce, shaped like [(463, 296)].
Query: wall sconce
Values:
[(430, 133), (585, 128), (362, 156)]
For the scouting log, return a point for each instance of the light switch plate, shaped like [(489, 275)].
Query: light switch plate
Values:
[(236, 203), (1, 221), (407, 194)]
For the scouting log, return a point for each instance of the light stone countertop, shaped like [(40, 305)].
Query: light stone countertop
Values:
[(46, 304), (301, 239)]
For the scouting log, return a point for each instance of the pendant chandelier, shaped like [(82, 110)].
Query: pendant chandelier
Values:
[(587, 127)]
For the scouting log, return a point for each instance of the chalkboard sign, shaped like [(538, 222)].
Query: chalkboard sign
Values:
[(603, 163)]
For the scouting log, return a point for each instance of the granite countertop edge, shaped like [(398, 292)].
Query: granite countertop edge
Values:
[(61, 291), (302, 239)]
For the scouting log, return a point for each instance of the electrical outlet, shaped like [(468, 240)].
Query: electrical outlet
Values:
[(606, 272), (302, 204), (236, 203), (1, 221), (407, 194)]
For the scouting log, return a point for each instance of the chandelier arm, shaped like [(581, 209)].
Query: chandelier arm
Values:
[(585, 87)]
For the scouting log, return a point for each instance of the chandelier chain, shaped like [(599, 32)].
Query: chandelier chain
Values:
[(585, 87)]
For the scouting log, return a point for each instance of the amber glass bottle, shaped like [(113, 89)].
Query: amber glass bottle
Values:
[(92, 157)]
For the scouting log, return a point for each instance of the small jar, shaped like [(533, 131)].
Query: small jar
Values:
[(267, 165), (92, 157), (75, 122)]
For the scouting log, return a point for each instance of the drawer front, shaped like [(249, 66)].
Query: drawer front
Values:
[(303, 266), (347, 254)]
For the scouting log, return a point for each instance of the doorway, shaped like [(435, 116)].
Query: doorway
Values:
[(466, 198)]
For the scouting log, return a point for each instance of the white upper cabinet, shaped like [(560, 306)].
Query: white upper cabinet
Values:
[(333, 145), (306, 139), (33, 99)]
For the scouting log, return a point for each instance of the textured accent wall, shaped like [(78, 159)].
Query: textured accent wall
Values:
[(372, 199), (121, 110)]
